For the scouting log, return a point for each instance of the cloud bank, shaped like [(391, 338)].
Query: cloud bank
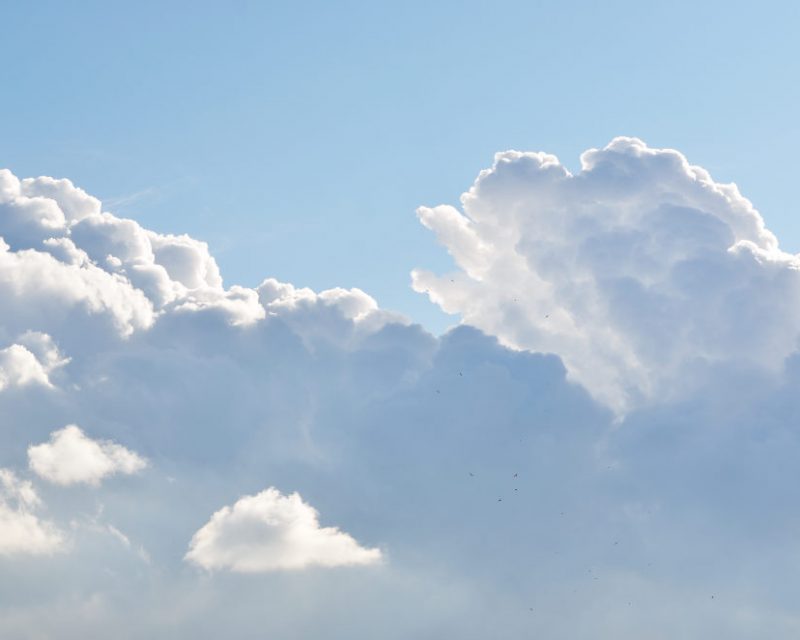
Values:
[(605, 448)]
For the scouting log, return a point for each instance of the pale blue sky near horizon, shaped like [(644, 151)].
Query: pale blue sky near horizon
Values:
[(297, 139)]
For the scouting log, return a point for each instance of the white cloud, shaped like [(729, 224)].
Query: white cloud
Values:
[(60, 252), (273, 532), (21, 531), (73, 201), (30, 362), (19, 367), (334, 315), (638, 271), (413, 440), (186, 260), (39, 292), (71, 457)]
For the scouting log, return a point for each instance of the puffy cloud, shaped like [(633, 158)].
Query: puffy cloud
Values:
[(73, 201), (71, 457), (186, 260), (21, 531), (26, 220), (638, 271), (493, 480), (271, 532), (30, 362), (61, 254), (40, 292), (19, 367), (335, 314)]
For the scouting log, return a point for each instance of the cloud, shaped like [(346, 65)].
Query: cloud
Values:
[(62, 256), (273, 532), (638, 271), (491, 476), (71, 457), (19, 367), (30, 362), (21, 531)]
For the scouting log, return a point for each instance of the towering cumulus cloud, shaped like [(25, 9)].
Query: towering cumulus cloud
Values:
[(637, 271), (605, 448)]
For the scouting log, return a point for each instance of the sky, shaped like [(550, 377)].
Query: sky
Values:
[(283, 134), (421, 321)]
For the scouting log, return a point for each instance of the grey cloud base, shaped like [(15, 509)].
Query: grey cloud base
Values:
[(506, 500)]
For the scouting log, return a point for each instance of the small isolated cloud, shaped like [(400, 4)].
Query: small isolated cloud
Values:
[(21, 531), (71, 457), (273, 532)]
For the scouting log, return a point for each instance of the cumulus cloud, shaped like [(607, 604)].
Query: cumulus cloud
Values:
[(272, 532), (638, 270), (336, 315), (61, 255), (71, 457), (494, 479), (21, 530), (30, 362)]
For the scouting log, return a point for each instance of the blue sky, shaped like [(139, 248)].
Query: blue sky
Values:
[(304, 333), (284, 134)]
